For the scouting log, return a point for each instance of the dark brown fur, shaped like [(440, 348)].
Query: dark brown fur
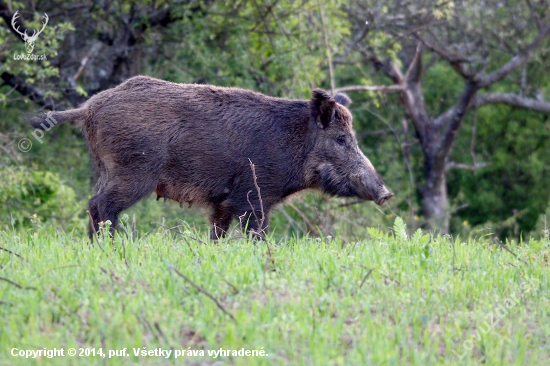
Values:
[(194, 144)]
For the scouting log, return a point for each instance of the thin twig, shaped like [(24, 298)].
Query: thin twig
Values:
[(253, 212), (503, 246), (366, 276), (124, 253), (261, 233), (92, 223), (179, 232), (235, 289), (203, 291), (311, 228), (9, 251), (55, 268), (253, 167), (327, 46), (391, 278), (197, 256), (323, 224), (147, 325), (292, 222), (83, 62), (133, 229), (17, 285), (159, 330)]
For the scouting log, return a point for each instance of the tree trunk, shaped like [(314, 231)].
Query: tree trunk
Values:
[(434, 201), (437, 143)]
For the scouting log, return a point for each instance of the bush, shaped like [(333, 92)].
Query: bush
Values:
[(32, 196)]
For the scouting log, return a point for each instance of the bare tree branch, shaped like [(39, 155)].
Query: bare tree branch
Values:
[(380, 88), (455, 62), (452, 119), (513, 100), (414, 72), (445, 54), (390, 69), (413, 100), (454, 165), (468, 51), (518, 60)]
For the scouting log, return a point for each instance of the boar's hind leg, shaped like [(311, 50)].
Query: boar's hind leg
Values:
[(108, 204), (220, 220), (102, 209)]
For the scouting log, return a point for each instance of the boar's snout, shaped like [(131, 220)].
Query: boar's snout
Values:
[(369, 186), (383, 196)]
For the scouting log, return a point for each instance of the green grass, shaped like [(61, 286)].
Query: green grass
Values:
[(390, 300)]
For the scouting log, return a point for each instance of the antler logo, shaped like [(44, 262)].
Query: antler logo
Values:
[(29, 40)]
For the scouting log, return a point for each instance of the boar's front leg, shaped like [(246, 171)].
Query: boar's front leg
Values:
[(220, 220)]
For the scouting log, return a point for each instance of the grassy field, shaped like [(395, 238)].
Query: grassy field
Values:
[(393, 299)]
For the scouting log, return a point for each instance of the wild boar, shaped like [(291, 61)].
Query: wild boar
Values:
[(195, 144)]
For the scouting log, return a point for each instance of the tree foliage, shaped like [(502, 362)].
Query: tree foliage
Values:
[(452, 100)]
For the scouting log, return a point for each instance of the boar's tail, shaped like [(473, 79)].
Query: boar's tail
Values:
[(45, 121)]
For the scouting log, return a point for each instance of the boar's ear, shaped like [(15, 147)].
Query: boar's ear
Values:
[(322, 107), (343, 99)]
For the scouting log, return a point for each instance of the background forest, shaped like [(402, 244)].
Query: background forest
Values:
[(451, 101)]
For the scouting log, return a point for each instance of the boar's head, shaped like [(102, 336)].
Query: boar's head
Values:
[(335, 164)]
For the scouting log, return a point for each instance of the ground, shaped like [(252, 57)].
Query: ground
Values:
[(391, 299)]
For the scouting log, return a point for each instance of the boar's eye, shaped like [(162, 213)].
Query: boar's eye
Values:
[(341, 140)]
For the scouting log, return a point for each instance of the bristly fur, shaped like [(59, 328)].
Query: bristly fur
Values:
[(194, 143)]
